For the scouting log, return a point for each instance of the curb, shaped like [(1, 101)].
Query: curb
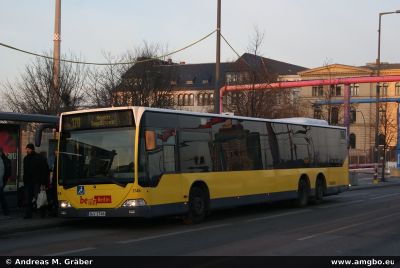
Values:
[(379, 185)]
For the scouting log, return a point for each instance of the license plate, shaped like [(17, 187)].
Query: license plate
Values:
[(97, 213)]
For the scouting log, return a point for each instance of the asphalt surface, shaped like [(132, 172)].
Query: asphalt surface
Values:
[(16, 223)]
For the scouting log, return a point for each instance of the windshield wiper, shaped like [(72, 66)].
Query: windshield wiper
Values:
[(109, 180), (70, 185)]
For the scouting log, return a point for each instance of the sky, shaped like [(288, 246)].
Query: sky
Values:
[(309, 33)]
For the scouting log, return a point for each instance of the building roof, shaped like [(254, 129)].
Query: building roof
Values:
[(200, 75), (274, 66)]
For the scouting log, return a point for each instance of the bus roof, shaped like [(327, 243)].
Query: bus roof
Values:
[(303, 121), (139, 110)]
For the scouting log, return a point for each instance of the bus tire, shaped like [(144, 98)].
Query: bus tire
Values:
[(302, 194), (319, 191), (198, 206)]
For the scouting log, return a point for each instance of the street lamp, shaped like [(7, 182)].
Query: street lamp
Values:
[(378, 63)]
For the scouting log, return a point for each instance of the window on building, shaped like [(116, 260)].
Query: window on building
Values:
[(334, 115), (397, 86), (335, 90), (200, 99), (231, 78), (185, 99), (180, 100), (317, 112), (205, 99), (353, 115), (317, 91), (354, 89), (338, 90), (191, 99), (383, 89), (352, 140)]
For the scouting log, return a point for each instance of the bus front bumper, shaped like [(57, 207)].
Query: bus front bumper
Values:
[(137, 212)]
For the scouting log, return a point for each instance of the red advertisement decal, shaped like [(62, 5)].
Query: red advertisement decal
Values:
[(98, 199), (102, 199)]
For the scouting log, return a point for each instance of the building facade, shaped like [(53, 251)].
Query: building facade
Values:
[(191, 86), (362, 111)]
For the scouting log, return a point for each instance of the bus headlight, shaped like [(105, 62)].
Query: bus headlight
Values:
[(64, 204), (134, 203)]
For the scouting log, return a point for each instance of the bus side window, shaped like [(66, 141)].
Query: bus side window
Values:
[(160, 153)]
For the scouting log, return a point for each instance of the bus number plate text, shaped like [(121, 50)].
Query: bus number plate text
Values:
[(97, 213)]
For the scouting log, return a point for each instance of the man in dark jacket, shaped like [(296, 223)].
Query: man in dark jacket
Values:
[(36, 175)]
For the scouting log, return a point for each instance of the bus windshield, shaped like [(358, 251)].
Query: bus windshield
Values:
[(97, 156)]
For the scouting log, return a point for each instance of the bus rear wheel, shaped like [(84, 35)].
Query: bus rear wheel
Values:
[(198, 206), (319, 192), (302, 194)]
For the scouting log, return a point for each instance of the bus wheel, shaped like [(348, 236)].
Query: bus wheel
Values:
[(302, 194), (198, 203), (319, 192)]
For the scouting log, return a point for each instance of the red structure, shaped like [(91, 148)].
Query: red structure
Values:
[(319, 82)]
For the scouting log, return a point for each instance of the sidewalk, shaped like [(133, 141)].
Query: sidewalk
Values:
[(16, 223), (367, 181)]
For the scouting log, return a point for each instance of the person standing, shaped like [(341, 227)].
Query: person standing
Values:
[(5, 171), (36, 176)]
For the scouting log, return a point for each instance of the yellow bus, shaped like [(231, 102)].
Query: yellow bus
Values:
[(147, 162)]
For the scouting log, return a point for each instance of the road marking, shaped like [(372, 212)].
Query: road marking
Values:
[(172, 234), (348, 226), (278, 215), (70, 251), (384, 196), (342, 204)]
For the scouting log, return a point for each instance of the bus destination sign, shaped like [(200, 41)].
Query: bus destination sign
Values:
[(107, 119)]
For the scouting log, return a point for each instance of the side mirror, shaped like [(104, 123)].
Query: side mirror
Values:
[(39, 130), (150, 136)]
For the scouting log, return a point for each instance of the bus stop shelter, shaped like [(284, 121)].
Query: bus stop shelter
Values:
[(15, 135)]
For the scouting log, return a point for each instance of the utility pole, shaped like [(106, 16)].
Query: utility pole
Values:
[(218, 60), (56, 56)]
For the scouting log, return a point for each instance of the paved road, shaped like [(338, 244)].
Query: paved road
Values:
[(363, 222)]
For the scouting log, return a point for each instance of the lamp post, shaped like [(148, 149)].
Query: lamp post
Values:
[(378, 64)]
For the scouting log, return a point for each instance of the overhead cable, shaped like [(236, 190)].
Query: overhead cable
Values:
[(115, 63)]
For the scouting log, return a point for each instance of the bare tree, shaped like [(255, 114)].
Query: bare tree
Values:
[(387, 132), (33, 91), (253, 69), (104, 80), (145, 83)]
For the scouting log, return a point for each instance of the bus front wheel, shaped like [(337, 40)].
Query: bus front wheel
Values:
[(198, 203)]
